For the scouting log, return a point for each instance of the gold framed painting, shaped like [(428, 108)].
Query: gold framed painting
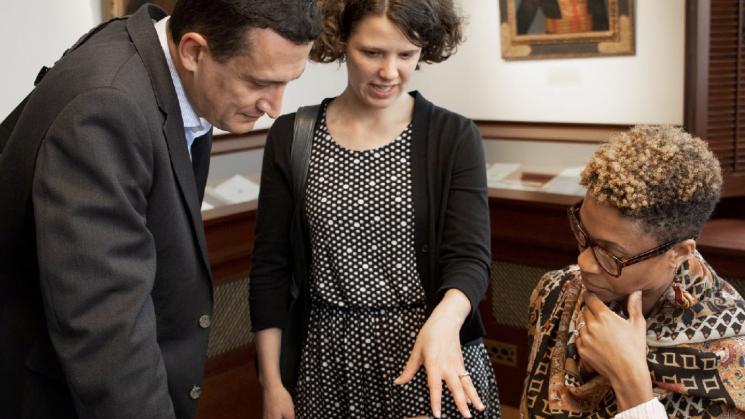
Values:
[(112, 8), (535, 29)]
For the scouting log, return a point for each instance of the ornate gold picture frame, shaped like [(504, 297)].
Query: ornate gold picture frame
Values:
[(536, 29), (112, 8)]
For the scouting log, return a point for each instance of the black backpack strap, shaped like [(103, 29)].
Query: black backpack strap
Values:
[(294, 330), (305, 122)]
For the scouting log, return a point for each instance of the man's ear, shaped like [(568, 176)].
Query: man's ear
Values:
[(191, 49)]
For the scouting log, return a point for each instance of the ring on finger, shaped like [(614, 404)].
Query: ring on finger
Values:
[(464, 375), (576, 331)]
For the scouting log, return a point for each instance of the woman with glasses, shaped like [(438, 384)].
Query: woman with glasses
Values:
[(641, 326)]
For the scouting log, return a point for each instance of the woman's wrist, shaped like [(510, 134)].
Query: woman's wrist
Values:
[(632, 387), (268, 348), (270, 381), (454, 306)]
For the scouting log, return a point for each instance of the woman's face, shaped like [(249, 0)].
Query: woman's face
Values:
[(380, 60), (625, 238)]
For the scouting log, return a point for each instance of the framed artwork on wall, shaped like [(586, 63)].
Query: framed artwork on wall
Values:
[(112, 8), (536, 29)]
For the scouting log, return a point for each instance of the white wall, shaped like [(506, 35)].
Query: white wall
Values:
[(476, 82), (319, 81), (48, 27), (644, 88), (36, 33)]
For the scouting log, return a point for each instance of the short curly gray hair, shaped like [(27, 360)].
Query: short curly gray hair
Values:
[(660, 175)]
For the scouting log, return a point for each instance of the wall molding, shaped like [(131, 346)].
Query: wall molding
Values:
[(490, 130)]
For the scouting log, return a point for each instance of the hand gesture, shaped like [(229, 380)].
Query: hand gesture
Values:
[(617, 348), (438, 349), (278, 403)]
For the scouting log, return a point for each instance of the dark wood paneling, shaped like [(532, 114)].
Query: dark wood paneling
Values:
[(230, 238), (542, 131), (723, 245), (509, 378), (531, 228), (231, 143), (231, 387), (733, 207), (715, 83)]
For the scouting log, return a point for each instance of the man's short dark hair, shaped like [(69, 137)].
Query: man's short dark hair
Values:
[(224, 22)]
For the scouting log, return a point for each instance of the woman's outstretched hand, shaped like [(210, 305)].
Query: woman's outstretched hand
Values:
[(438, 349)]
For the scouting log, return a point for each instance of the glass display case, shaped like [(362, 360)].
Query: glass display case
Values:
[(233, 179)]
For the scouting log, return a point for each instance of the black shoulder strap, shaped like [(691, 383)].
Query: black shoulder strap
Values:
[(9, 123), (305, 122)]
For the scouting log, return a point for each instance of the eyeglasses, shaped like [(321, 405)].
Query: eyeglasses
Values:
[(610, 263)]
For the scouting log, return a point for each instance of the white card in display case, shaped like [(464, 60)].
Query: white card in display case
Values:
[(499, 171), (237, 189), (566, 182)]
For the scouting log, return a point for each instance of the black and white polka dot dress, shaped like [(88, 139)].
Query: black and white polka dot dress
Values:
[(367, 299)]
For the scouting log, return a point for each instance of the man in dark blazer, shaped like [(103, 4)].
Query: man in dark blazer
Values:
[(105, 285)]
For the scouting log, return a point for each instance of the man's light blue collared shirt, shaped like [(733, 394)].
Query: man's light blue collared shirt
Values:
[(194, 125)]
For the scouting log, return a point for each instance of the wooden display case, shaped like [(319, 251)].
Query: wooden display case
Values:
[(529, 232)]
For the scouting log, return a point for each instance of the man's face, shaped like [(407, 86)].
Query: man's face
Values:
[(234, 93)]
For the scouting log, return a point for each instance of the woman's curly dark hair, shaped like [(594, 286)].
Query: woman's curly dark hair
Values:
[(660, 175), (433, 25)]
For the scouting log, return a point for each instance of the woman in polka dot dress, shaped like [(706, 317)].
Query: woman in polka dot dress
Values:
[(388, 246)]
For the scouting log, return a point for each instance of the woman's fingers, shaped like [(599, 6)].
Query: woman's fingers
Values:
[(471, 392), (411, 368), (634, 307), (589, 317), (459, 396), (460, 386), (435, 392), (594, 304)]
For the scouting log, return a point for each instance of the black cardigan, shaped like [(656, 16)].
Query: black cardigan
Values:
[(451, 234)]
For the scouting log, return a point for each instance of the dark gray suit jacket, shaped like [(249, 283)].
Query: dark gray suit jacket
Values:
[(104, 276)]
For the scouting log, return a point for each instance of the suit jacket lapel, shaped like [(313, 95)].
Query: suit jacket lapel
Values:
[(145, 39)]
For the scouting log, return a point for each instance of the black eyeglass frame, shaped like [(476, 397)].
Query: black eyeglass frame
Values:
[(584, 240)]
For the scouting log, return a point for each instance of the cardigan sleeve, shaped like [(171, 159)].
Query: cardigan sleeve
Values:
[(465, 250), (271, 267)]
